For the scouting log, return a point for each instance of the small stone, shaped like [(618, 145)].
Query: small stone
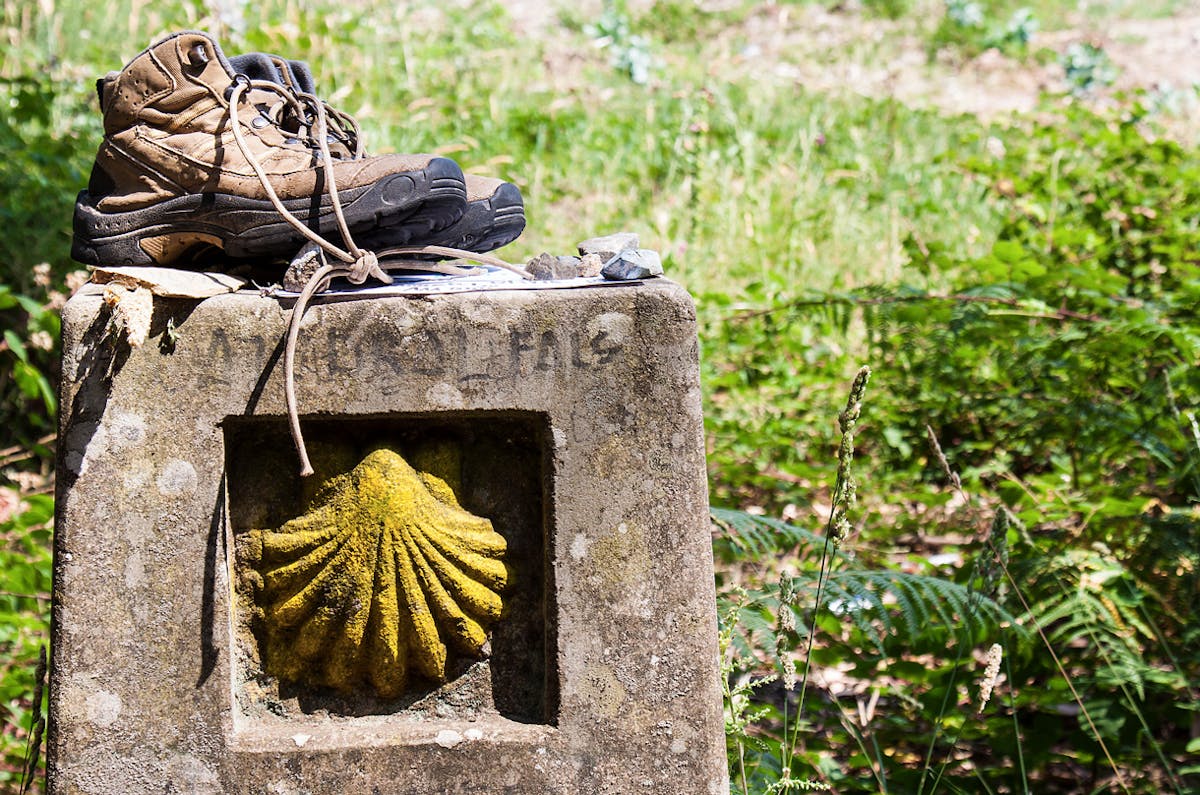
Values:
[(546, 267), (132, 309), (301, 739), (590, 265), (448, 738), (639, 263), (609, 246), (473, 734), (302, 267)]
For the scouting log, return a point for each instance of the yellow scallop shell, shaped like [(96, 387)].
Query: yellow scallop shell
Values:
[(376, 579)]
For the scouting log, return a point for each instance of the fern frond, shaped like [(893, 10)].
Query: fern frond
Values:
[(1089, 607), (890, 603), (744, 537)]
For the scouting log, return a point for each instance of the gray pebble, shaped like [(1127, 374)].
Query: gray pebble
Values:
[(546, 267), (639, 263), (608, 246)]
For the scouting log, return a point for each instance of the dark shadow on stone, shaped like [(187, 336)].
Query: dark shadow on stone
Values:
[(261, 383), (209, 652), (104, 356), (105, 353)]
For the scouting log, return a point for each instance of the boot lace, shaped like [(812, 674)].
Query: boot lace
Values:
[(311, 118)]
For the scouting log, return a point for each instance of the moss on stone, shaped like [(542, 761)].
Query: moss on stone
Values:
[(380, 574)]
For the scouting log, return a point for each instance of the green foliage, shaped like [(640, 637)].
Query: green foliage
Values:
[(28, 399), (745, 537), (1087, 68), (1057, 370), (630, 52), (876, 624), (1121, 644), (43, 134), (24, 620), (1057, 351), (970, 27)]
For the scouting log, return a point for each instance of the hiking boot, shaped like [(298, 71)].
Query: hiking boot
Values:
[(495, 214), (495, 217), (174, 180)]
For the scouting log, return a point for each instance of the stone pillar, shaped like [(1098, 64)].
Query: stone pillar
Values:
[(569, 420)]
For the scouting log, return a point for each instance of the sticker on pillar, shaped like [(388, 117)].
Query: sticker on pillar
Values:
[(382, 578)]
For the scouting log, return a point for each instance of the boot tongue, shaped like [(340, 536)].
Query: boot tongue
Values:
[(257, 66), (301, 76), (295, 76)]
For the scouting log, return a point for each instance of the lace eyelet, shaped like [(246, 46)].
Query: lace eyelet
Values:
[(197, 55), (238, 79)]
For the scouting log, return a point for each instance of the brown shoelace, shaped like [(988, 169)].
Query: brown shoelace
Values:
[(352, 263)]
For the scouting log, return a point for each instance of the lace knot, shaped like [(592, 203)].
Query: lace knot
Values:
[(366, 266)]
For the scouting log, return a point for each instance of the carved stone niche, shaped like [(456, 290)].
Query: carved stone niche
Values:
[(408, 575)]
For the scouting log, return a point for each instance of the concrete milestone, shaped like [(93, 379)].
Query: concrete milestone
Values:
[(499, 580)]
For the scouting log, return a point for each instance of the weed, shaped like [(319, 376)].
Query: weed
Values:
[(1087, 68)]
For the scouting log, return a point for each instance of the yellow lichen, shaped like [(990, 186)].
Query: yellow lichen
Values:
[(382, 572)]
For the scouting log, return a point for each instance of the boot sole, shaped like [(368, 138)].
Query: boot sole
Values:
[(182, 231), (487, 224)]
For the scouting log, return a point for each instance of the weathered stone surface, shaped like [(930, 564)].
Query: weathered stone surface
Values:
[(609, 246), (579, 415), (640, 263)]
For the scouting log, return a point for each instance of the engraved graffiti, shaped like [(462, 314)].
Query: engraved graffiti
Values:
[(472, 355)]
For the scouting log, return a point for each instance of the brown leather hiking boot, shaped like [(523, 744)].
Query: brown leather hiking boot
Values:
[(495, 212), (173, 180)]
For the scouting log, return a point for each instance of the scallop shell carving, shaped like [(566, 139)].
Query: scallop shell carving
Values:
[(382, 574)]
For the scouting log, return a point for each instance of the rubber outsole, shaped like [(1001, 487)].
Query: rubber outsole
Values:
[(487, 224), (181, 231)]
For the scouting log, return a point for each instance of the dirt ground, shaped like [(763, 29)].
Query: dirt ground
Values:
[(841, 49)]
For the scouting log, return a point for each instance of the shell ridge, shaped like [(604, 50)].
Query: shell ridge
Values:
[(466, 635), (488, 570), (288, 577), (481, 539), (472, 595), (290, 611), (428, 650), (387, 665), (355, 607), (295, 537)]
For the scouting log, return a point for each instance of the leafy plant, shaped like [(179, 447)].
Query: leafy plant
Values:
[(42, 170), (876, 618), (1087, 67), (630, 52), (24, 620), (969, 28)]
